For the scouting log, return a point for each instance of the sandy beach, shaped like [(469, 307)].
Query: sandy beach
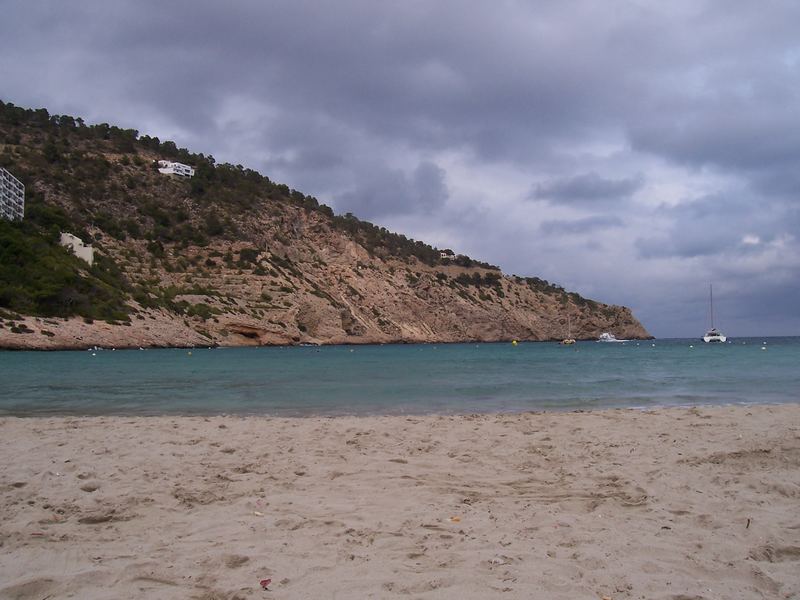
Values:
[(679, 504)]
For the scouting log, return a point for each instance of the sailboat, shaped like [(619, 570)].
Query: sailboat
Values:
[(713, 336), (569, 340)]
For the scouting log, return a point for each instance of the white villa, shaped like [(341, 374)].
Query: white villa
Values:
[(79, 249), (175, 168), (12, 197)]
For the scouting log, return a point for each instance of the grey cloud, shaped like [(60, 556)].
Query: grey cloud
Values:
[(586, 188), (728, 137), (385, 191), (584, 225), (711, 226)]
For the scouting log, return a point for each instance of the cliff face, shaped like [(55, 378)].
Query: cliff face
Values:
[(316, 285), (213, 261)]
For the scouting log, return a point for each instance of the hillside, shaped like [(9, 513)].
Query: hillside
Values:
[(229, 257)]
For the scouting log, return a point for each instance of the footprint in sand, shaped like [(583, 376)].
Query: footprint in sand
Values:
[(234, 561)]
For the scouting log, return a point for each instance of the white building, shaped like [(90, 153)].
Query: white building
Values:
[(79, 249), (12, 196), (175, 168)]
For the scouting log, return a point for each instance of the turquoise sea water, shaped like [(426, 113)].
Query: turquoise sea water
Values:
[(400, 379)]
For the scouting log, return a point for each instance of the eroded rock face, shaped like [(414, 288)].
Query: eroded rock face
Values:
[(307, 282), (249, 332)]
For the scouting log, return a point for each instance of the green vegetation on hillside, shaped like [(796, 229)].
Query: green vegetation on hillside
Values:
[(65, 151), (38, 277)]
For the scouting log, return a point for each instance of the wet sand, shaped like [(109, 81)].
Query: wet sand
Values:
[(678, 504)]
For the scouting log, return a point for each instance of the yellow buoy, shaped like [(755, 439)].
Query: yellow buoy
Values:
[(513, 342)]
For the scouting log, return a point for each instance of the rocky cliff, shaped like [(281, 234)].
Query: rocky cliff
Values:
[(230, 258)]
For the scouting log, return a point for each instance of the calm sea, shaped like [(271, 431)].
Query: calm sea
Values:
[(400, 379)]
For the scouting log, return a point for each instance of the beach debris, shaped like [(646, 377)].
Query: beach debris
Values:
[(265, 583), (748, 524), (455, 519), (258, 514)]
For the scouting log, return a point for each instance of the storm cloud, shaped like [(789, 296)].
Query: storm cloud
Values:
[(586, 188), (633, 152), (584, 225)]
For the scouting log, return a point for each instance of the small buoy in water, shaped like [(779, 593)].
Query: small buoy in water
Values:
[(189, 353), (653, 345), (763, 347), (94, 354), (513, 342), (690, 346)]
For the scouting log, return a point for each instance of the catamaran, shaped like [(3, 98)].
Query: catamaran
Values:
[(713, 336)]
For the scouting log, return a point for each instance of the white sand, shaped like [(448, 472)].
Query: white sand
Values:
[(673, 504)]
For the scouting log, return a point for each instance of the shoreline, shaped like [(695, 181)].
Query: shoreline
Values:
[(405, 415), (661, 503), (83, 348)]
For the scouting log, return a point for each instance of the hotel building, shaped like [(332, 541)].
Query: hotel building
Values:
[(12, 197)]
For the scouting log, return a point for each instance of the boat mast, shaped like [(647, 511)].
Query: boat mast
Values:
[(711, 302)]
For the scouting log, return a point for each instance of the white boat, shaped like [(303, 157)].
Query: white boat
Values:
[(713, 336), (569, 340), (609, 338)]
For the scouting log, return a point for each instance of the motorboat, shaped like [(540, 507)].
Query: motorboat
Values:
[(609, 338)]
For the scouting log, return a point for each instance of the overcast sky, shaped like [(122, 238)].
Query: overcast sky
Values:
[(632, 151)]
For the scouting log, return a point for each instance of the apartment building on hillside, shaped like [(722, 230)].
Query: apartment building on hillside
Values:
[(175, 168), (12, 197)]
